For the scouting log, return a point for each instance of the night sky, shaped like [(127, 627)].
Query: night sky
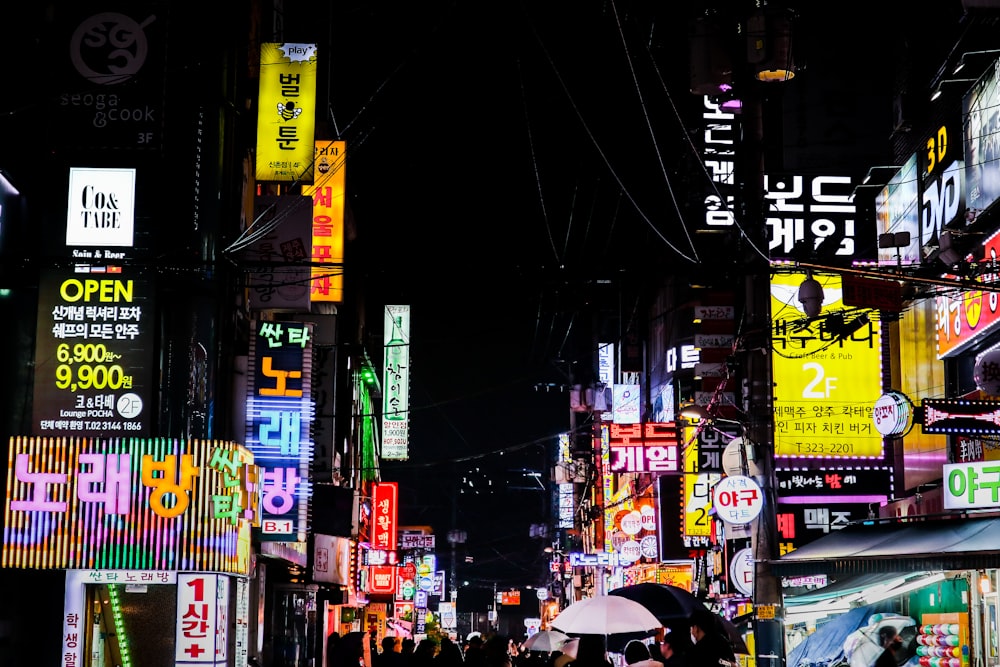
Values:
[(519, 174)]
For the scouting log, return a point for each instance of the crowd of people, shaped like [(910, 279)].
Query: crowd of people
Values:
[(693, 642)]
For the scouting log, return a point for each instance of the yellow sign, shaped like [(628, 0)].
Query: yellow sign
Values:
[(286, 112), (328, 193), (827, 376), (697, 494), (766, 611)]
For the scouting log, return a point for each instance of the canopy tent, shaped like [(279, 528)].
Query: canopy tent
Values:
[(954, 542)]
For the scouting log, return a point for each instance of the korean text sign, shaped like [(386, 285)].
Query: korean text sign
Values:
[(149, 503), (286, 116), (93, 354), (280, 411), (825, 384)]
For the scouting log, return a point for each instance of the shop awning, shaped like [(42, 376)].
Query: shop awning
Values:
[(949, 543)]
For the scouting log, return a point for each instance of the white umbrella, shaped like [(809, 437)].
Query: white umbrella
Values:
[(861, 648), (546, 640), (605, 615)]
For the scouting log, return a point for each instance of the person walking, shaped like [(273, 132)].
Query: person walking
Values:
[(592, 651), (449, 655), (711, 648), (637, 655), (389, 657), (890, 641), (673, 650)]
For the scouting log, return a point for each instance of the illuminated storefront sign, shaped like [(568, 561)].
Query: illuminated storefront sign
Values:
[(625, 403), (835, 485), (382, 579), (328, 194), (697, 494), (825, 382), (286, 112), (897, 211), (737, 499), (385, 508), (982, 171), (719, 159), (800, 524), (810, 209), (965, 315), (202, 620), (93, 354), (646, 447), (958, 416), (971, 485), (280, 411), (332, 559), (942, 197), (101, 208), (96, 503), (396, 384)]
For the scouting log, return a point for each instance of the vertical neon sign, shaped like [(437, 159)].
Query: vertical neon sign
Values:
[(280, 411)]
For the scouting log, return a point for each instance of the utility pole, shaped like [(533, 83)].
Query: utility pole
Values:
[(758, 391)]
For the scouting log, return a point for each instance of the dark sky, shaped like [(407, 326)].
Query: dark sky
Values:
[(518, 170)]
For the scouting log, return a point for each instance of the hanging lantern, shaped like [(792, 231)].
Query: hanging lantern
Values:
[(987, 372)]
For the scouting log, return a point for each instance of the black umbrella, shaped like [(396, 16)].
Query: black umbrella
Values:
[(672, 606)]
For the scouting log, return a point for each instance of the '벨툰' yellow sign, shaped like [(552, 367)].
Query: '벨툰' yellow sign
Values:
[(286, 112)]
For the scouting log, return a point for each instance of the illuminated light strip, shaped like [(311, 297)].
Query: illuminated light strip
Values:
[(832, 500), (116, 614), (84, 537)]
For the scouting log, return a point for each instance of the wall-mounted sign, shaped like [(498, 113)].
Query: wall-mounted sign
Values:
[(385, 508), (838, 485), (644, 447), (897, 209), (396, 384), (741, 571), (825, 383), (965, 316), (328, 193), (960, 416), (625, 403), (971, 485), (101, 208), (93, 354), (96, 503), (982, 170), (286, 113), (893, 414), (280, 411), (975, 448), (202, 620), (811, 209), (800, 524), (737, 499)]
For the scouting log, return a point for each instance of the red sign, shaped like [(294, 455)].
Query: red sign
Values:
[(647, 447), (385, 506), (381, 579), (510, 597)]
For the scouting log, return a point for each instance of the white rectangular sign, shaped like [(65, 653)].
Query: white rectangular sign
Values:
[(972, 484), (101, 208), (202, 619)]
